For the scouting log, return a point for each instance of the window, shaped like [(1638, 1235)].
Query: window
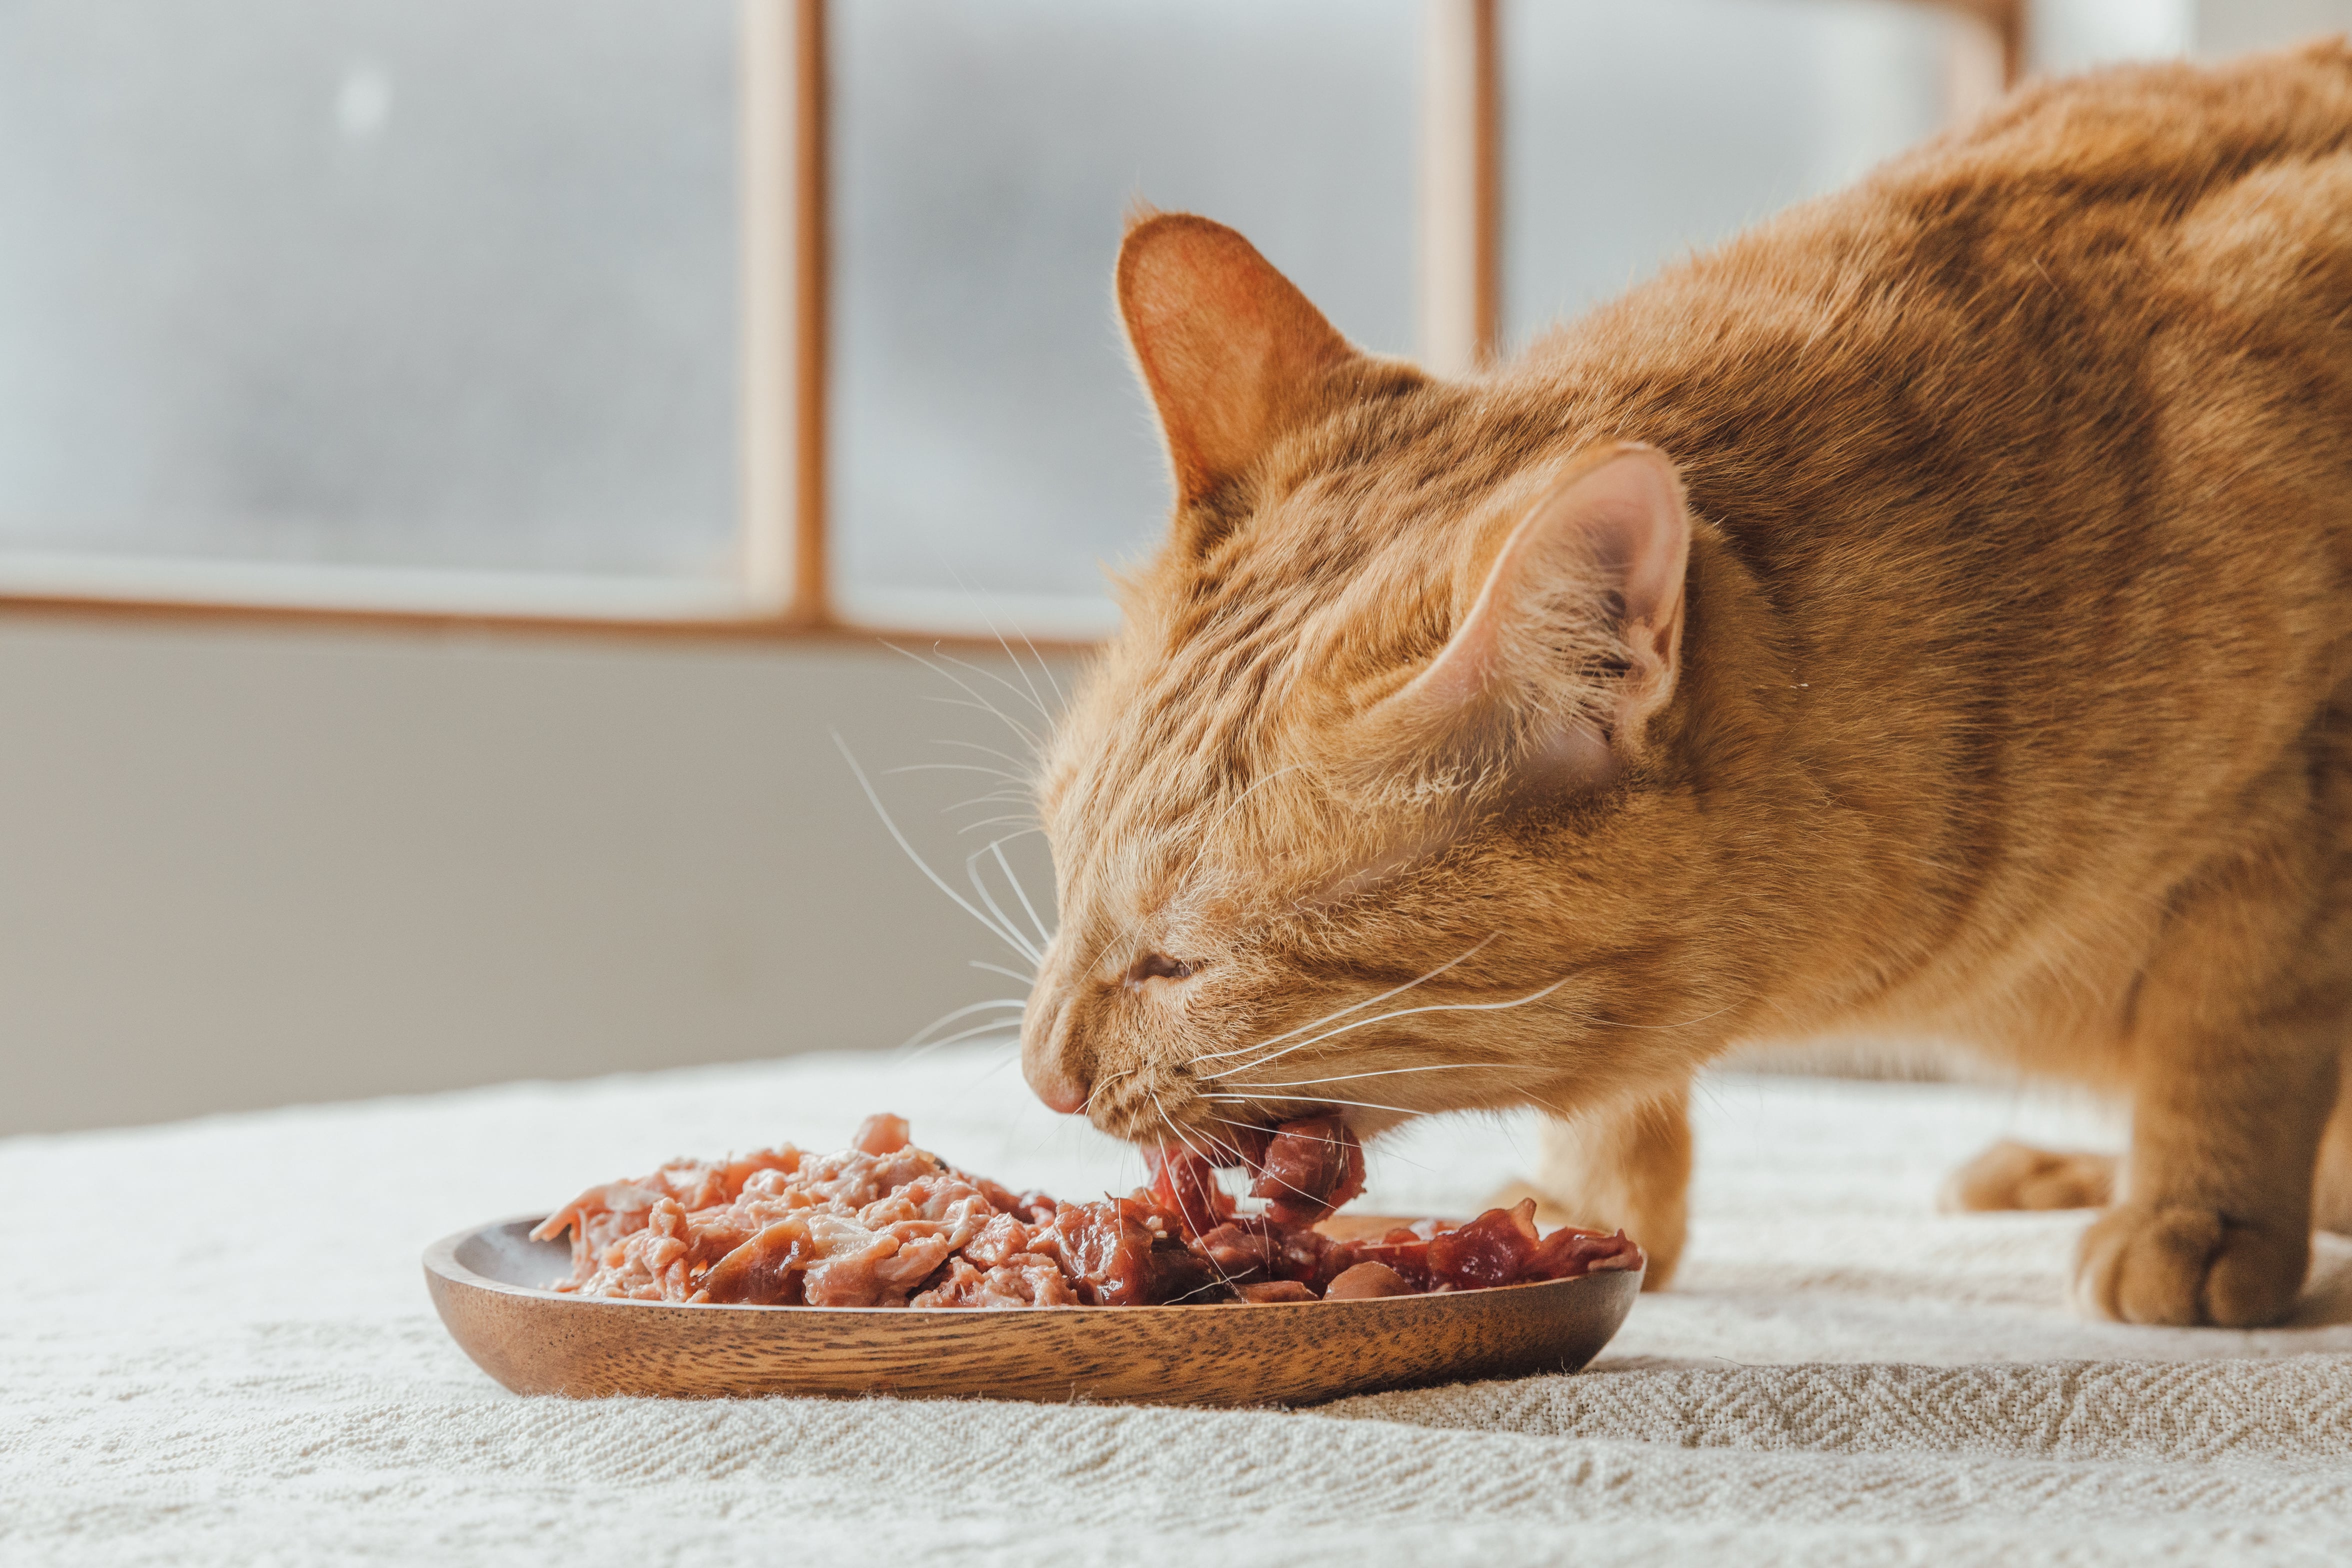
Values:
[(371, 302), (1636, 135), (989, 448), (777, 314)]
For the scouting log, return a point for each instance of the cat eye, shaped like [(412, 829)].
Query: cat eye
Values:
[(1156, 966)]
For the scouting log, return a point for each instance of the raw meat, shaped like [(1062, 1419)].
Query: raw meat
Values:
[(885, 1224)]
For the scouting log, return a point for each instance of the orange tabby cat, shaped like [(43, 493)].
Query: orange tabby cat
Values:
[(1927, 612)]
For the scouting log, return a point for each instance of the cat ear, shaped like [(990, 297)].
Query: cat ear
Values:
[(1574, 640), (1230, 351)]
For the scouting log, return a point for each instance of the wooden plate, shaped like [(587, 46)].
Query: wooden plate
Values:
[(487, 1284)]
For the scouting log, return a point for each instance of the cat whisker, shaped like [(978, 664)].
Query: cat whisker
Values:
[(1352, 1007), (1205, 1154), (1003, 795), (971, 875), (1030, 696), (1003, 1060), (1399, 1012), (1170, 1123), (985, 619), (921, 865), (1382, 1072), (979, 705), (1006, 757), (1015, 1004), (1000, 821), (1044, 937), (1042, 668), (1101, 1084), (994, 797), (949, 768), (1232, 1149), (1387, 1152), (1028, 736), (1008, 973), (1036, 699), (999, 1027), (1222, 1277), (1320, 1100)]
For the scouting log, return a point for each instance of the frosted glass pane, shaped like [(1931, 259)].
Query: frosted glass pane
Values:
[(1635, 133), (428, 283), (989, 437), (2078, 35)]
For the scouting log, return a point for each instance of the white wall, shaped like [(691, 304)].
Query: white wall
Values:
[(245, 867)]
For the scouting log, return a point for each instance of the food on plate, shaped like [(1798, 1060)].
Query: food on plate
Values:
[(885, 1224)]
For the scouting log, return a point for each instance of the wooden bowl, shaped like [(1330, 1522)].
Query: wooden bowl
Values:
[(487, 1283)]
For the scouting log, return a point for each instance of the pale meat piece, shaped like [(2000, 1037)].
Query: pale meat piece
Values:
[(603, 1215), (851, 1229), (1365, 1281)]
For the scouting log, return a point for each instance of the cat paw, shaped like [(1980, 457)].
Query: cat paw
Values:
[(1661, 1240), (2010, 1175), (2183, 1264)]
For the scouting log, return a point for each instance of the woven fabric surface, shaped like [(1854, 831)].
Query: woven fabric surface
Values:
[(216, 1347)]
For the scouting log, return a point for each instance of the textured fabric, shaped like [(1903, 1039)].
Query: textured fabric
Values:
[(217, 1348)]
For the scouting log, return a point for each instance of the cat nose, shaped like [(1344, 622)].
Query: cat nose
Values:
[(1051, 1065), (1061, 1091)]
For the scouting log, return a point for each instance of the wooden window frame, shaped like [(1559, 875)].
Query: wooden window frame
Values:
[(785, 214)]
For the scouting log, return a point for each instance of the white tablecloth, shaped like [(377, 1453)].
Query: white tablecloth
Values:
[(216, 1347)]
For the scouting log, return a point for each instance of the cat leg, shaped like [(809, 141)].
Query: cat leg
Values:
[(1624, 1168), (2331, 1198), (2012, 1175), (2234, 1037)]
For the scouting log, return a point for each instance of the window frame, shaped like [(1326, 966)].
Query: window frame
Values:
[(784, 208)]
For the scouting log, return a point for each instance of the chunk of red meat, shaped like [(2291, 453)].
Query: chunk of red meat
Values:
[(1238, 1254), (1404, 1249), (1487, 1251), (1310, 1167), (1569, 1252), (1024, 1280), (1033, 1207), (1002, 1239), (1252, 1247), (1184, 1183), (1243, 1146), (1122, 1252)]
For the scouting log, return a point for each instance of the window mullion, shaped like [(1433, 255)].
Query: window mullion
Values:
[(1459, 280)]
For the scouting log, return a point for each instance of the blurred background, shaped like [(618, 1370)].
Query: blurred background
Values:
[(456, 457)]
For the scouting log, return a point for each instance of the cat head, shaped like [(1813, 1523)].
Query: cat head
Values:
[(1372, 803)]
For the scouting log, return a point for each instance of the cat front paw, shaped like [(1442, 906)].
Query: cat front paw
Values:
[(2184, 1265)]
